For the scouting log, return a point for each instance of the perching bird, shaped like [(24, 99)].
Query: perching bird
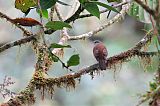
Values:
[(100, 53)]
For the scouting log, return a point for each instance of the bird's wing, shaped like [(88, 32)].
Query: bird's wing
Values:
[(105, 53), (96, 54)]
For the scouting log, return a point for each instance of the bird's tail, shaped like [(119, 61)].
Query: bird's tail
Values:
[(102, 64)]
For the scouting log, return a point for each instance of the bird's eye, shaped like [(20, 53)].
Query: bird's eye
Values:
[(96, 41)]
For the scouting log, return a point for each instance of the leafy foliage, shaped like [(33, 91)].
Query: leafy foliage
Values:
[(24, 5), (46, 4), (43, 12), (113, 1), (92, 7), (55, 45), (57, 25), (105, 6), (43, 64), (73, 60)]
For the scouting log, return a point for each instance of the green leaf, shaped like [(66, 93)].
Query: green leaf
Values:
[(57, 25), (105, 5), (92, 8), (82, 1), (44, 13), (55, 45), (24, 5), (45, 4), (74, 60)]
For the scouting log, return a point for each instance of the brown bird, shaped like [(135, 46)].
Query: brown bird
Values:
[(100, 53)]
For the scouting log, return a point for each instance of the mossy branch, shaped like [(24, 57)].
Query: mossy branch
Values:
[(69, 81)]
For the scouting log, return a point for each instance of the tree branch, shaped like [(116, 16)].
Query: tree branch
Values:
[(75, 15), (68, 80), (25, 31), (16, 43), (103, 11), (51, 13), (110, 22), (24, 97), (65, 36)]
